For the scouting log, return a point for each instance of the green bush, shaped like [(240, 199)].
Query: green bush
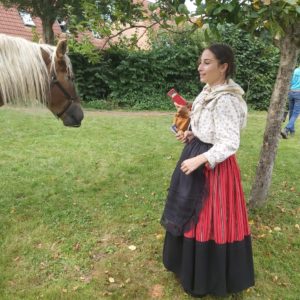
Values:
[(139, 79)]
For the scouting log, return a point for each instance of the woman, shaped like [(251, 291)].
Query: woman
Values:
[(208, 243)]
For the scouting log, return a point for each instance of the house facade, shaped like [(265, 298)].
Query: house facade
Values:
[(15, 23)]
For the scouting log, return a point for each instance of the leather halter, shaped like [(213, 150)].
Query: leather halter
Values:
[(71, 99)]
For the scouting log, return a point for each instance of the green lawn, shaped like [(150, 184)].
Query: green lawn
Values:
[(80, 208)]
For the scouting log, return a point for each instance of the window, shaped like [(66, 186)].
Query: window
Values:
[(96, 35), (63, 25), (27, 20)]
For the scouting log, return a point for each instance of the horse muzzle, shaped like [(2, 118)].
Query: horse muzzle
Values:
[(73, 116)]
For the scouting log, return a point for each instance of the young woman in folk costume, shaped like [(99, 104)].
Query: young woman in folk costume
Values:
[(208, 243)]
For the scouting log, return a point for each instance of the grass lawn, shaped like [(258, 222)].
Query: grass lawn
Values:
[(80, 208)]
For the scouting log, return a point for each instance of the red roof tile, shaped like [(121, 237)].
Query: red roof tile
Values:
[(11, 23)]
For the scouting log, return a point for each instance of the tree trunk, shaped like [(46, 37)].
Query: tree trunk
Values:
[(48, 34), (288, 59)]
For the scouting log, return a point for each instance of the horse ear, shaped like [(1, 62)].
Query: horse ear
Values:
[(46, 56), (61, 48), (41, 41)]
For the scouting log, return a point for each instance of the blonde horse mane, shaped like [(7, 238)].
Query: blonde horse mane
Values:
[(24, 77)]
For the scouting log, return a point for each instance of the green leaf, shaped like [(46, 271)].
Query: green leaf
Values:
[(253, 15), (182, 9), (206, 35), (263, 10), (152, 6), (179, 19), (217, 10), (291, 2)]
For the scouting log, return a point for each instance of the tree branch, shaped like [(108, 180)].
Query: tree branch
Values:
[(158, 22), (109, 38)]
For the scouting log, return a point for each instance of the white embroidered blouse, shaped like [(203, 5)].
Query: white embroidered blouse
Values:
[(218, 115)]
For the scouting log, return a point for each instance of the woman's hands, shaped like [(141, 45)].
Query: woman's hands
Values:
[(191, 164), (186, 137)]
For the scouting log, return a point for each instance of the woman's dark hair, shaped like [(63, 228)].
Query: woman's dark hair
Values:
[(224, 54)]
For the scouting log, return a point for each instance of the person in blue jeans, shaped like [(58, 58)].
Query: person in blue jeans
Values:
[(294, 104)]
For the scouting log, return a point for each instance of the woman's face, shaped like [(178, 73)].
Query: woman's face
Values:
[(210, 70)]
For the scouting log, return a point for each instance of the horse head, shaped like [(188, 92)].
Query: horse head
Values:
[(39, 73), (63, 100)]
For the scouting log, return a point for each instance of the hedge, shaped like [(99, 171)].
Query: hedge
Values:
[(140, 79)]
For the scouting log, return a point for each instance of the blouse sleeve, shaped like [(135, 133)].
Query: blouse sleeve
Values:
[(227, 119)]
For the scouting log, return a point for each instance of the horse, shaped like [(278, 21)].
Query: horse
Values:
[(32, 73)]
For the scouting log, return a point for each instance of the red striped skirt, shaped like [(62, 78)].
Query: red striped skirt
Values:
[(223, 218), (214, 256)]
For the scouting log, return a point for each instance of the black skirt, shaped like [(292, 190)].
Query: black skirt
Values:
[(213, 254)]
